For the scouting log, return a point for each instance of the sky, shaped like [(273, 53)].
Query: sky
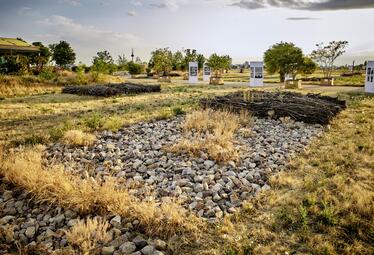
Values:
[(243, 29)]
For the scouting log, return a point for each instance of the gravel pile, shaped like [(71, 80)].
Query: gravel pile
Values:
[(24, 223), (136, 157)]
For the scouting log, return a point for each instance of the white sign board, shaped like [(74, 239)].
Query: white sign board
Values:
[(369, 81), (257, 74), (206, 73), (193, 72)]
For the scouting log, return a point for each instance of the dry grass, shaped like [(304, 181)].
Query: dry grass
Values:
[(54, 185), (88, 234), (211, 132), (323, 203), (78, 138)]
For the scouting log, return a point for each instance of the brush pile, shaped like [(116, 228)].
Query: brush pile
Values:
[(309, 108), (111, 89)]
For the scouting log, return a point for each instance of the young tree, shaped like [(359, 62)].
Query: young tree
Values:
[(190, 56), (135, 68), (284, 58), (308, 66), (122, 62), (178, 60), (200, 61), (103, 56), (162, 60), (325, 55), (40, 58), (219, 63), (62, 53), (103, 63)]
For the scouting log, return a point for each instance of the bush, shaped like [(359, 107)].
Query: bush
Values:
[(47, 75), (94, 122), (135, 68)]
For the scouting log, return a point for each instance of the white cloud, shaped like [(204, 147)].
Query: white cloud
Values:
[(136, 2), (131, 13), (71, 2), (87, 40), (170, 4)]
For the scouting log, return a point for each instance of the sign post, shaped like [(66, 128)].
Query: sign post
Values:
[(369, 81), (257, 74), (193, 74), (206, 73)]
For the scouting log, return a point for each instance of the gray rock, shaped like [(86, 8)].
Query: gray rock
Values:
[(116, 221), (139, 241), (30, 232), (148, 250), (127, 247)]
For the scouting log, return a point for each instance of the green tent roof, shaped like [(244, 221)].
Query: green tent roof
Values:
[(14, 45)]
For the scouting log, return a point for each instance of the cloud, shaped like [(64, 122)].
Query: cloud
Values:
[(87, 40), (136, 2), (311, 5), (71, 2), (301, 18), (172, 5), (131, 13)]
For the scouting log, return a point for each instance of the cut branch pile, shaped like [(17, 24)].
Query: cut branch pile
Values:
[(310, 108), (111, 90)]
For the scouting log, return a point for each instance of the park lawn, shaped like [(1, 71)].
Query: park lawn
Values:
[(321, 204)]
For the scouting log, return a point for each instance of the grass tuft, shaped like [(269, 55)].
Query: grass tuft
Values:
[(78, 138)]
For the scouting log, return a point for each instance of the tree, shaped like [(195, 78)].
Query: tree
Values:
[(325, 56), (40, 58), (284, 58), (200, 61), (162, 60), (135, 68), (190, 56), (62, 53), (219, 63), (103, 63), (308, 66), (122, 62), (178, 60), (103, 56)]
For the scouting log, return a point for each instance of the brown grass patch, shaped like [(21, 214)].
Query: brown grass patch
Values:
[(53, 184), (88, 234), (78, 138), (211, 132)]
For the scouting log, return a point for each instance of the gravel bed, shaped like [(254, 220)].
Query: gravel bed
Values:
[(137, 158)]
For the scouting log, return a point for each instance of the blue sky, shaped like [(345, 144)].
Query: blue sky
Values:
[(244, 29)]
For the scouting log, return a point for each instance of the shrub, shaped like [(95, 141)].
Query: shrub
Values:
[(47, 75), (135, 68), (78, 138), (94, 122)]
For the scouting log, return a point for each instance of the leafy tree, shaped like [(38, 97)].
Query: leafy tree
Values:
[(103, 56), (308, 66), (190, 56), (284, 58), (62, 53), (40, 58), (103, 63), (122, 62), (138, 60), (325, 55), (178, 60), (162, 60), (135, 68), (219, 63), (200, 61)]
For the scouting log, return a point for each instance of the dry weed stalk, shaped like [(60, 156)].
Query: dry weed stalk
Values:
[(88, 234), (54, 185)]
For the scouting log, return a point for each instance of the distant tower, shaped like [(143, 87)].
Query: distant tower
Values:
[(132, 55)]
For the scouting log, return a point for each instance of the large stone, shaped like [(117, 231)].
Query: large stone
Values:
[(116, 221), (127, 247), (148, 250), (107, 250), (30, 232)]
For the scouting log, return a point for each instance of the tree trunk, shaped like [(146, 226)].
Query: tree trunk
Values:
[(282, 76)]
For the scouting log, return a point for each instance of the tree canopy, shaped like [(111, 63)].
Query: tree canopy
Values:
[(325, 55), (41, 58), (162, 60), (62, 53), (219, 63)]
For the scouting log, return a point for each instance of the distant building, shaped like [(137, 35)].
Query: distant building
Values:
[(13, 48)]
